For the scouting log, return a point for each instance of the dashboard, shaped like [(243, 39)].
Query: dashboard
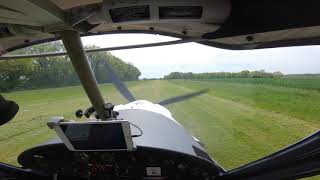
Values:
[(143, 163)]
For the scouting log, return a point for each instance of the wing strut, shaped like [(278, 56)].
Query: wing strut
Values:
[(79, 59), (53, 54)]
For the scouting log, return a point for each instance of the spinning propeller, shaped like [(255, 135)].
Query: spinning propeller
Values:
[(122, 88), (8, 109)]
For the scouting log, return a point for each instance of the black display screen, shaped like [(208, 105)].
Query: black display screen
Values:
[(95, 136)]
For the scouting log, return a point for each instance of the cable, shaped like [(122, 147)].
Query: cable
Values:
[(141, 132)]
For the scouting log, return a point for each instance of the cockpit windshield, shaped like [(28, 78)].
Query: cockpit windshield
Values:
[(257, 102)]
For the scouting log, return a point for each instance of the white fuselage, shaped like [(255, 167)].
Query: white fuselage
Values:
[(147, 106)]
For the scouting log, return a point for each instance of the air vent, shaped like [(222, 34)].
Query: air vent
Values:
[(133, 13), (180, 12), (201, 153)]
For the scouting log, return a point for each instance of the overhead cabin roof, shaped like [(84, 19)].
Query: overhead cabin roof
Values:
[(229, 24)]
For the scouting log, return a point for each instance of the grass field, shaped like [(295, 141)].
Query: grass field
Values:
[(238, 121), (312, 82)]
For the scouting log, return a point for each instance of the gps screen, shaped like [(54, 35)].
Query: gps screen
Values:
[(95, 136)]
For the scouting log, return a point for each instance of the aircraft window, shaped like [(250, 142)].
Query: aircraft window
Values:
[(254, 103)]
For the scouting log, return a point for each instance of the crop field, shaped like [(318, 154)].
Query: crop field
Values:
[(238, 120)]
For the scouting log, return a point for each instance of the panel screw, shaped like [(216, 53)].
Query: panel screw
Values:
[(249, 38)]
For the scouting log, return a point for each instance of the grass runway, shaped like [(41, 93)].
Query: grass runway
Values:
[(238, 122)]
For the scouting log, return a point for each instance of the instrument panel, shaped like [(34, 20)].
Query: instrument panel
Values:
[(144, 163)]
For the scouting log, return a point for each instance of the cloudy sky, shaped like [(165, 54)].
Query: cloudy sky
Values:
[(192, 57)]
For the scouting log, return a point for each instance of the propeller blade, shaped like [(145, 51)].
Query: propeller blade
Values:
[(182, 97), (115, 79)]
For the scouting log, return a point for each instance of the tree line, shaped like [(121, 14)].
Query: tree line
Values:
[(57, 71), (242, 74)]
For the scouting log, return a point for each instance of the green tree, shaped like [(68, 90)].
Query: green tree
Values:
[(14, 73), (58, 71)]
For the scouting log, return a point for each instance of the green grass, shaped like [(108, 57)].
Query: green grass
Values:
[(295, 102), (299, 82), (238, 122)]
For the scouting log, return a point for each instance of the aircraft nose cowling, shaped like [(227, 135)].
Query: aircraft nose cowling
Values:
[(159, 131), (147, 106)]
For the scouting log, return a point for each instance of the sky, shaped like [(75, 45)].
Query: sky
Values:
[(155, 62)]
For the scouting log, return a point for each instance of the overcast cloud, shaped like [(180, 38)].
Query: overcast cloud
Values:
[(192, 57)]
